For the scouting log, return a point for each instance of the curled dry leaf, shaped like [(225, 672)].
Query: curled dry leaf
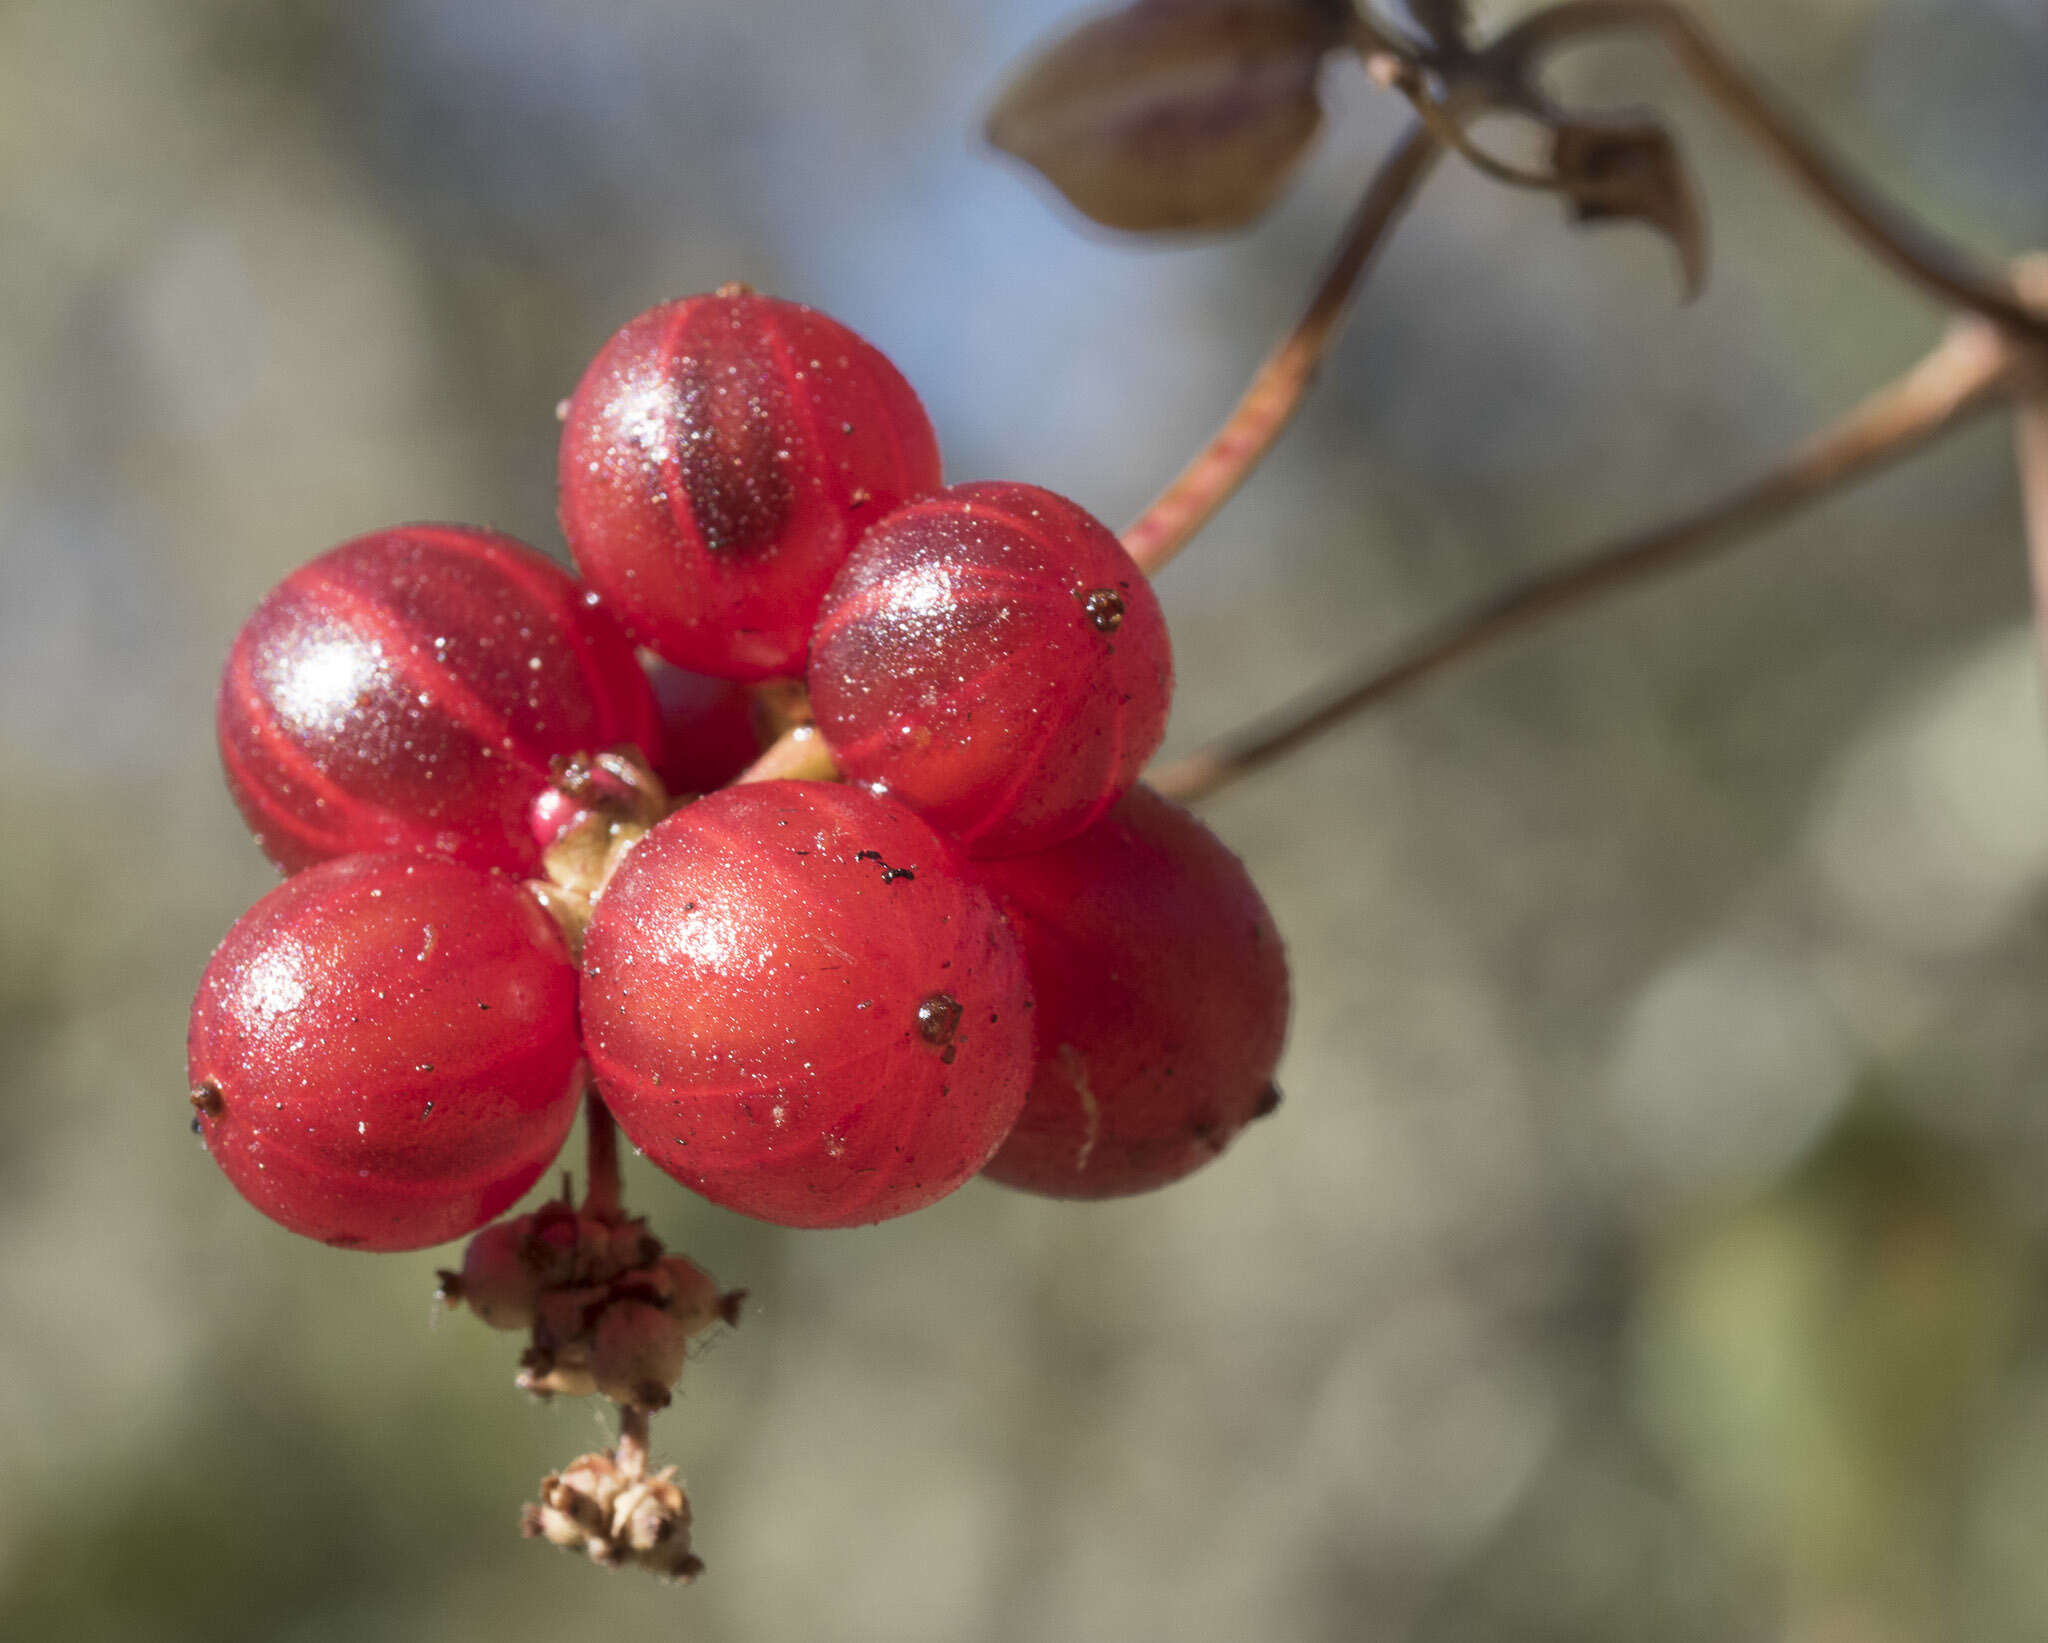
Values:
[(1632, 171), (1174, 114)]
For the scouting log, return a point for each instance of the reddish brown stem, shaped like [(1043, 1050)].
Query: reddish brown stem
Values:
[(1207, 482), (1971, 368), (601, 1195)]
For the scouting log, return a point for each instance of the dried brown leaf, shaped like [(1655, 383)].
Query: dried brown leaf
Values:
[(1173, 114), (1632, 171)]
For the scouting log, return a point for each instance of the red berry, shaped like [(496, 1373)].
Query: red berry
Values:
[(796, 1005), (409, 690), (707, 729), (720, 456), (552, 814), (383, 1050), (1162, 1002), (992, 657)]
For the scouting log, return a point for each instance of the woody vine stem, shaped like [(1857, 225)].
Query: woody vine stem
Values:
[(1996, 351)]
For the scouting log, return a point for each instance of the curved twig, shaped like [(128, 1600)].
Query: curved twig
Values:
[(1446, 119), (1449, 129), (1207, 482), (1972, 368)]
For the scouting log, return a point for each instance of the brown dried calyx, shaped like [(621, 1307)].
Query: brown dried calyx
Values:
[(614, 1510), (609, 1310)]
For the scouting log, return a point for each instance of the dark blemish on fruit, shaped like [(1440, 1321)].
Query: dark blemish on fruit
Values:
[(946, 1055), (1269, 1102), (938, 1019), (344, 1240), (1105, 609), (197, 1127), (207, 1100), (889, 874)]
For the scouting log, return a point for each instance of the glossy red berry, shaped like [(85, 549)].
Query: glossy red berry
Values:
[(992, 657), (383, 1050), (409, 690), (1162, 1002), (707, 729), (720, 456), (796, 1005)]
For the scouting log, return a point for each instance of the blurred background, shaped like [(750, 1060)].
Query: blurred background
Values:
[(1652, 1241)]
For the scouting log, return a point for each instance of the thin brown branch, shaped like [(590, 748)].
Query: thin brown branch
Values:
[(1270, 402), (1449, 129), (1907, 245), (1443, 117), (1973, 366)]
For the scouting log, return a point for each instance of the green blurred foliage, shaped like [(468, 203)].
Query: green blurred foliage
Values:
[(1821, 1361)]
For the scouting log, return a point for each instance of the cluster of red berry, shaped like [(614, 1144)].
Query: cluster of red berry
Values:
[(821, 1004)]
